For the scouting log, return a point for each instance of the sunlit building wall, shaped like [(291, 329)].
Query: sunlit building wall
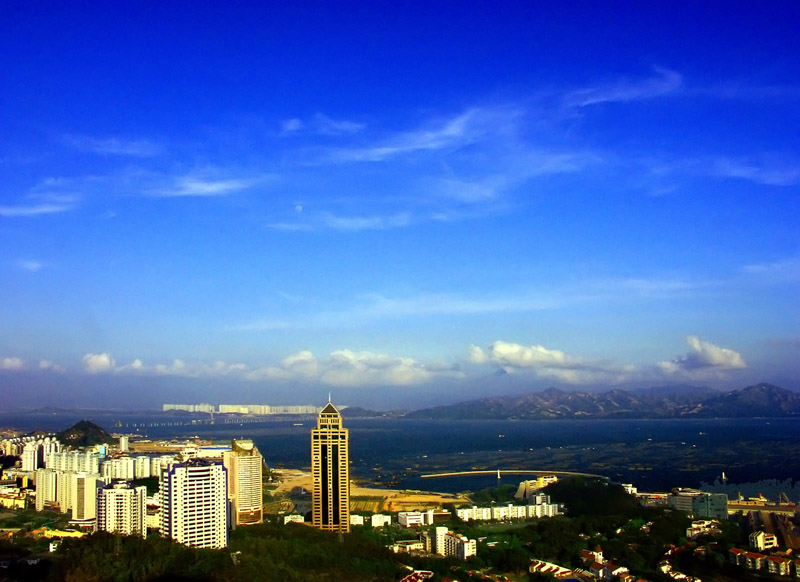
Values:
[(244, 464), (193, 496), (122, 508), (331, 472)]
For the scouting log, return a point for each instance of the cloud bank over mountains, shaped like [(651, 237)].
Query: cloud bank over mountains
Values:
[(363, 369)]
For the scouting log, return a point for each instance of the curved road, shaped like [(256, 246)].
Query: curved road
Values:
[(512, 472)]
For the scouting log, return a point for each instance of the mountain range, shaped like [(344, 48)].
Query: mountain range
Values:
[(760, 400)]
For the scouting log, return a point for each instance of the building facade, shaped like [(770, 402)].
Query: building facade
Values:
[(122, 508), (193, 496), (245, 470), (331, 472)]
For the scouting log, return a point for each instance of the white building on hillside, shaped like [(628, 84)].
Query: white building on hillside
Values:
[(122, 508), (194, 503)]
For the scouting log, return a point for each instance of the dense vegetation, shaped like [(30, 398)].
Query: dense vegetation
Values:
[(598, 513), (257, 553), (85, 433)]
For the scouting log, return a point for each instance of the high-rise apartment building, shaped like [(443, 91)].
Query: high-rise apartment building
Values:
[(122, 508), (194, 503), (46, 488), (244, 464), (331, 472), (81, 494)]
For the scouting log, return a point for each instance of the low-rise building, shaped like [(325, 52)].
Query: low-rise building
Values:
[(380, 520), (699, 503), (543, 508), (13, 500), (755, 561), (293, 518), (761, 541), (779, 565), (701, 527), (356, 519), (737, 556), (447, 543), (418, 518), (407, 546), (542, 567)]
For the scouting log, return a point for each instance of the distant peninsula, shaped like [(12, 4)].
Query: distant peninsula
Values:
[(760, 400)]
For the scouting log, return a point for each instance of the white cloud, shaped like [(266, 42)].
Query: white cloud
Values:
[(359, 223), (513, 357), (12, 363), (477, 355), (328, 126), (348, 368), (704, 360), (665, 82), (458, 131), (31, 265), (769, 172), (189, 186), (48, 365), (34, 210), (320, 124), (289, 126), (783, 270), (98, 363), (342, 368), (302, 365), (118, 146)]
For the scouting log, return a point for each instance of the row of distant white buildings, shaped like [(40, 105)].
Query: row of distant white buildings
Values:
[(260, 409)]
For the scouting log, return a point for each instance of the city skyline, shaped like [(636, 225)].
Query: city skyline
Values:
[(404, 206)]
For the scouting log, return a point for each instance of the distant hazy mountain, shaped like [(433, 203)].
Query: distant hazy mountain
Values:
[(85, 433), (660, 402), (358, 412)]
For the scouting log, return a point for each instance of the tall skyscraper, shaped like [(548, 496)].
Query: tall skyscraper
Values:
[(244, 464), (331, 472), (194, 503), (122, 508)]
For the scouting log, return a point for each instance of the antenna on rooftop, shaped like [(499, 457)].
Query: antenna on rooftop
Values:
[(329, 397)]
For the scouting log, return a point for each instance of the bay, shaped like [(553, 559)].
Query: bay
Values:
[(654, 455)]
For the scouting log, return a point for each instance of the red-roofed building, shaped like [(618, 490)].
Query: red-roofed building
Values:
[(738, 556), (755, 561), (597, 569), (779, 565)]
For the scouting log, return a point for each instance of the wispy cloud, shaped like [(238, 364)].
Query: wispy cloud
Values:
[(320, 124), (769, 172), (31, 265), (776, 271), (459, 131), (191, 186), (664, 82), (329, 221), (329, 126), (34, 209), (371, 307), (114, 146)]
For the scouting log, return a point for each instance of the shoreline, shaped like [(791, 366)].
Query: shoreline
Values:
[(373, 499)]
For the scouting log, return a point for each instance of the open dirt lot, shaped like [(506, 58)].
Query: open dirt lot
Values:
[(373, 499)]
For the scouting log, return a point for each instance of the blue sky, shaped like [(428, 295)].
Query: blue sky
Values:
[(264, 202)]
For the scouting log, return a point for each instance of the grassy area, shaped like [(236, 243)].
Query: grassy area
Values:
[(32, 519)]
